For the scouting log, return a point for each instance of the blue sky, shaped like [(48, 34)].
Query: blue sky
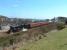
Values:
[(36, 9)]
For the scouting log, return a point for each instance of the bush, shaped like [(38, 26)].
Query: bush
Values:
[(44, 29), (60, 26)]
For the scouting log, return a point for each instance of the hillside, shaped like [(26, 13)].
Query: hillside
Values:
[(54, 41)]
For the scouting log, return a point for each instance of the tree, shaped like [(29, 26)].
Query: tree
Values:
[(61, 19), (47, 20)]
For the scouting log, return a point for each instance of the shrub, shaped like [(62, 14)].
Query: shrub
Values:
[(60, 26), (44, 29)]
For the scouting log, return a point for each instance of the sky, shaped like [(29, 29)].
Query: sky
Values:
[(35, 9)]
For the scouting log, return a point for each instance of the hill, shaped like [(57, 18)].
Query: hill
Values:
[(54, 41)]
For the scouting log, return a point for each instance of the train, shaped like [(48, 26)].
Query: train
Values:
[(25, 26)]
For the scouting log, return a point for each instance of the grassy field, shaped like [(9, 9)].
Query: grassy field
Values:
[(54, 41)]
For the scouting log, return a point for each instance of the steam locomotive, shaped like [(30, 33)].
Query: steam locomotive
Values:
[(26, 26)]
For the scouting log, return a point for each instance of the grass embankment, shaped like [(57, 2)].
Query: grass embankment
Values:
[(54, 41)]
